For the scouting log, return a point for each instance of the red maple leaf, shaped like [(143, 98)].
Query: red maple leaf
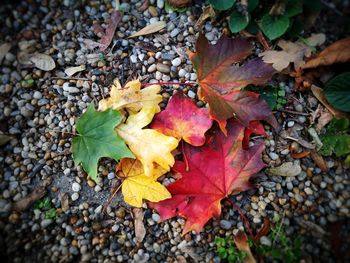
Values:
[(219, 168), (220, 81), (255, 127), (182, 119)]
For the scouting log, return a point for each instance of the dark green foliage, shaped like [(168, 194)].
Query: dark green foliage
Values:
[(336, 139), (226, 250), (337, 92), (45, 206), (274, 96), (274, 18)]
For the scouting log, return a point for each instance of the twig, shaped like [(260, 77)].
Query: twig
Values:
[(184, 154), (69, 78), (243, 217), (169, 83), (111, 198), (295, 112), (335, 10)]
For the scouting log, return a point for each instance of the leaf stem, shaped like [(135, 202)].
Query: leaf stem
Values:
[(184, 154), (169, 83), (243, 218), (111, 198)]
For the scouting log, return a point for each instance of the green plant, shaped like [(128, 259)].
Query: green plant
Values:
[(45, 205), (337, 91), (336, 138), (274, 96), (227, 250), (274, 18), (280, 247)]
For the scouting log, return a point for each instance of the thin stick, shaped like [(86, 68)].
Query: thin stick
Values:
[(71, 133), (111, 198), (69, 78), (243, 217), (169, 83), (295, 112)]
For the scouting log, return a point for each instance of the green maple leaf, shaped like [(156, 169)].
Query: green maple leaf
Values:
[(97, 139)]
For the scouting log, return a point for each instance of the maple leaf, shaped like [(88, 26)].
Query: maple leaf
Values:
[(220, 81), (137, 186), (149, 146), (97, 139), (219, 168), (255, 127), (182, 119), (131, 97)]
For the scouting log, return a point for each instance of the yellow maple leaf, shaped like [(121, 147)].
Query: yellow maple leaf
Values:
[(149, 146), (131, 97), (137, 186)]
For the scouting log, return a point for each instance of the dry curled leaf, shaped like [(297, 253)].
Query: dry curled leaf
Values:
[(152, 28), (29, 199), (140, 230), (106, 40), (43, 61), (320, 162), (338, 52), (208, 12), (72, 70), (4, 139), (319, 94), (4, 48), (241, 241), (286, 169), (179, 3)]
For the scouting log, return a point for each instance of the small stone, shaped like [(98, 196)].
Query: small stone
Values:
[(98, 209), (308, 191), (115, 228), (265, 241), (45, 223), (133, 59), (160, 4), (176, 62), (225, 224), (298, 198), (182, 73), (69, 26), (155, 217), (152, 68), (163, 68), (76, 187), (153, 11), (110, 176), (97, 188), (210, 36), (37, 95), (273, 156), (282, 201), (290, 124), (174, 32), (191, 94), (74, 196)]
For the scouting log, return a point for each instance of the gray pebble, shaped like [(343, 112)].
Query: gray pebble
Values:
[(45, 223), (176, 62), (163, 68), (273, 156), (225, 224)]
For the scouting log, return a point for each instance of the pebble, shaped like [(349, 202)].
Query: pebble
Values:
[(151, 68), (45, 223), (182, 73), (225, 224), (176, 62), (160, 4), (74, 196), (191, 94), (76, 187), (273, 156), (163, 68), (290, 124), (264, 240), (155, 217)]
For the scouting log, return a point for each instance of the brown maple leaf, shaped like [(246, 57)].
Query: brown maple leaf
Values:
[(220, 81), (216, 170)]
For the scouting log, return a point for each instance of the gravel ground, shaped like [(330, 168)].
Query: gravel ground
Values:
[(40, 116)]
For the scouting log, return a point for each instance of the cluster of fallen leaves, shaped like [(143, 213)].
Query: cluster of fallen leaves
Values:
[(214, 161)]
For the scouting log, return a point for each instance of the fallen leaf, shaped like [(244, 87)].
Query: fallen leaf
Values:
[(4, 139), (300, 155), (320, 162), (255, 127), (241, 241), (106, 40), (324, 119), (220, 81), (338, 52), (152, 28), (286, 169), (143, 6), (137, 186), (64, 199), (90, 44), (25, 202), (179, 3), (42, 61), (217, 169), (207, 12), (182, 119), (149, 146), (72, 70), (319, 94), (140, 230), (131, 97), (4, 48), (264, 230), (97, 139), (316, 39)]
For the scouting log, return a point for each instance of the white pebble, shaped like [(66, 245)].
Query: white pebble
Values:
[(176, 62), (76, 187), (182, 73), (74, 196), (273, 156), (290, 124), (191, 94)]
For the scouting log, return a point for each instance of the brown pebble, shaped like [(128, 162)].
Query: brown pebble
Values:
[(60, 82), (153, 11), (91, 183), (120, 212), (95, 241), (163, 68)]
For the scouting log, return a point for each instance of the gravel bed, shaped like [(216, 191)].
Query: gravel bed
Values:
[(40, 116)]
